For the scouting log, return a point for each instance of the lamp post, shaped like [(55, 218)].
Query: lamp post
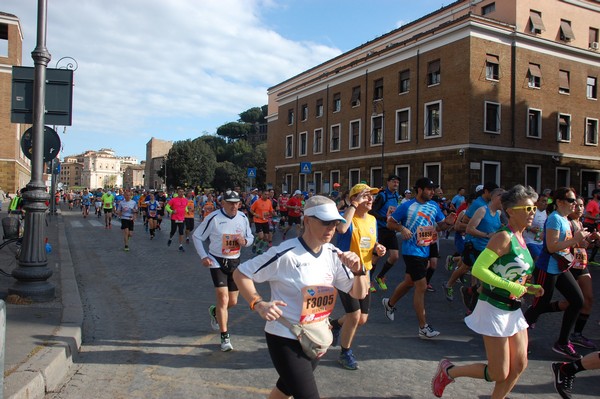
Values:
[(165, 179), (376, 104), (32, 272)]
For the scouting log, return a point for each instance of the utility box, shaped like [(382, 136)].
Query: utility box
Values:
[(59, 96)]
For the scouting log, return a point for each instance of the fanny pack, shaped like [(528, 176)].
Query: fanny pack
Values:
[(513, 304), (228, 265), (315, 338)]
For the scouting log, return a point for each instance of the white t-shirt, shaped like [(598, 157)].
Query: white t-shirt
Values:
[(302, 279), (222, 230), (538, 221)]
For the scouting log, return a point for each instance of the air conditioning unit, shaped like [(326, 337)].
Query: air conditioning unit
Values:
[(594, 45)]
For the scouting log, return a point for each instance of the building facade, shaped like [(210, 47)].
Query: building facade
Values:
[(71, 173), (15, 167), (480, 90), (133, 176), (156, 153)]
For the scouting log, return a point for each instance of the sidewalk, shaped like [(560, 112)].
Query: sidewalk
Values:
[(42, 338)]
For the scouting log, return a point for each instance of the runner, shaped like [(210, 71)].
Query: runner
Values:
[(86, 200), (417, 221), (108, 200), (98, 202), (533, 234), (262, 210), (564, 373), (152, 207), (189, 215), (385, 204), (359, 235), (176, 208), (127, 212), (503, 268), (302, 273), (227, 230), (294, 206)]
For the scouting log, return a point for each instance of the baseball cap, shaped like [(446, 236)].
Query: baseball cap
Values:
[(358, 188), (297, 192), (407, 191), (285, 192), (254, 189), (336, 185), (322, 208), (479, 188), (425, 182), (393, 177), (231, 196)]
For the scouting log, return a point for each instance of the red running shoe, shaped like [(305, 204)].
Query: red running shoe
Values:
[(441, 378)]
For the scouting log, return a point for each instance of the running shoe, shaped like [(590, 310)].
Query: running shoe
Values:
[(566, 350), (381, 282), (430, 288), (450, 263), (563, 383), (181, 249), (389, 310), (579, 340), (169, 242), (335, 331), (428, 332), (187, 240), (348, 361), (372, 287), (212, 311), (449, 291), (226, 344), (126, 248), (441, 379)]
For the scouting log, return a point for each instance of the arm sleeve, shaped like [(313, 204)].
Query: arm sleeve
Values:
[(482, 272), (168, 208)]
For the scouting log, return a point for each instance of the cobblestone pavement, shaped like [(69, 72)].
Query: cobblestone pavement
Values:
[(147, 333)]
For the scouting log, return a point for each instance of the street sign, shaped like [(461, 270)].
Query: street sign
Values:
[(251, 172), (305, 167), (51, 143)]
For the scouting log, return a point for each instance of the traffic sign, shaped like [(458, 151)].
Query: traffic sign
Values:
[(305, 167), (51, 143), (251, 172)]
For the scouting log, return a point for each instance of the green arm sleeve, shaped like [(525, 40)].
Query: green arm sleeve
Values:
[(168, 208), (482, 272)]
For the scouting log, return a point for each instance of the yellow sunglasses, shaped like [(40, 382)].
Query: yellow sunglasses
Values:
[(528, 208)]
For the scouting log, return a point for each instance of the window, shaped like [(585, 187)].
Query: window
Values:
[(337, 102), (334, 176), (433, 73), (533, 177), (492, 117), (377, 124), (289, 183), (404, 80), (376, 177), (593, 38), (304, 110), (378, 90), (318, 182), (403, 125), (433, 171), (536, 25), (591, 131), (355, 102), (302, 182), (563, 177), (534, 76), (3, 40), (335, 138), (566, 33), (564, 127), (353, 177), (563, 82), (433, 119), (490, 172), (318, 141), (485, 10), (354, 140), (591, 89), (492, 67), (289, 146), (403, 172), (290, 116), (319, 107), (534, 123)]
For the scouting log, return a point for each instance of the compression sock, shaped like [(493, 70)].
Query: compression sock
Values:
[(580, 323), (429, 274), (386, 268), (335, 323), (572, 368)]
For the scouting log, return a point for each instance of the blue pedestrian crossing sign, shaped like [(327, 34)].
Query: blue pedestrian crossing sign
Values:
[(305, 167), (251, 172)]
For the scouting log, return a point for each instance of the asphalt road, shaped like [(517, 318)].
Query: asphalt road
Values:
[(147, 333)]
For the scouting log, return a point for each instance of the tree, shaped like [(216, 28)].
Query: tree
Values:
[(190, 163), (254, 115), (229, 175), (233, 131), (217, 144)]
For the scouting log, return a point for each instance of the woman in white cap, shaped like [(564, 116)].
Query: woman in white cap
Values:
[(303, 274)]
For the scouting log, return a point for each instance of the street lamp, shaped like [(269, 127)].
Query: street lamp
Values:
[(378, 103), (165, 179)]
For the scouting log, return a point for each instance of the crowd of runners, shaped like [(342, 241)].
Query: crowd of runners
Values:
[(508, 243)]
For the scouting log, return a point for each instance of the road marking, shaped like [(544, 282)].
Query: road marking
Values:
[(95, 223), (76, 223)]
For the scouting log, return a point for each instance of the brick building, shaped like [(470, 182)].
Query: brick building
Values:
[(156, 152), (15, 168), (480, 90)]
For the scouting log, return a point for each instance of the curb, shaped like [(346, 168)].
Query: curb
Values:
[(46, 370)]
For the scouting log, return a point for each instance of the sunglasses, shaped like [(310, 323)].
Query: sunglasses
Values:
[(327, 223), (528, 208), (569, 200)]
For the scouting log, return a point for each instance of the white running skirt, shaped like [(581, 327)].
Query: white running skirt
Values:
[(488, 320)]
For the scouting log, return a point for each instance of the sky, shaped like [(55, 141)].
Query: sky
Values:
[(179, 69)]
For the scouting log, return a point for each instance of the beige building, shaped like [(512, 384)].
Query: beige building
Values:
[(480, 90), (133, 175), (156, 152), (71, 173), (15, 168)]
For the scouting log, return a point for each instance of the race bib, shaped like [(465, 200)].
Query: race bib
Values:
[(581, 260), (365, 243), (229, 244), (425, 235), (319, 302), (152, 214)]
